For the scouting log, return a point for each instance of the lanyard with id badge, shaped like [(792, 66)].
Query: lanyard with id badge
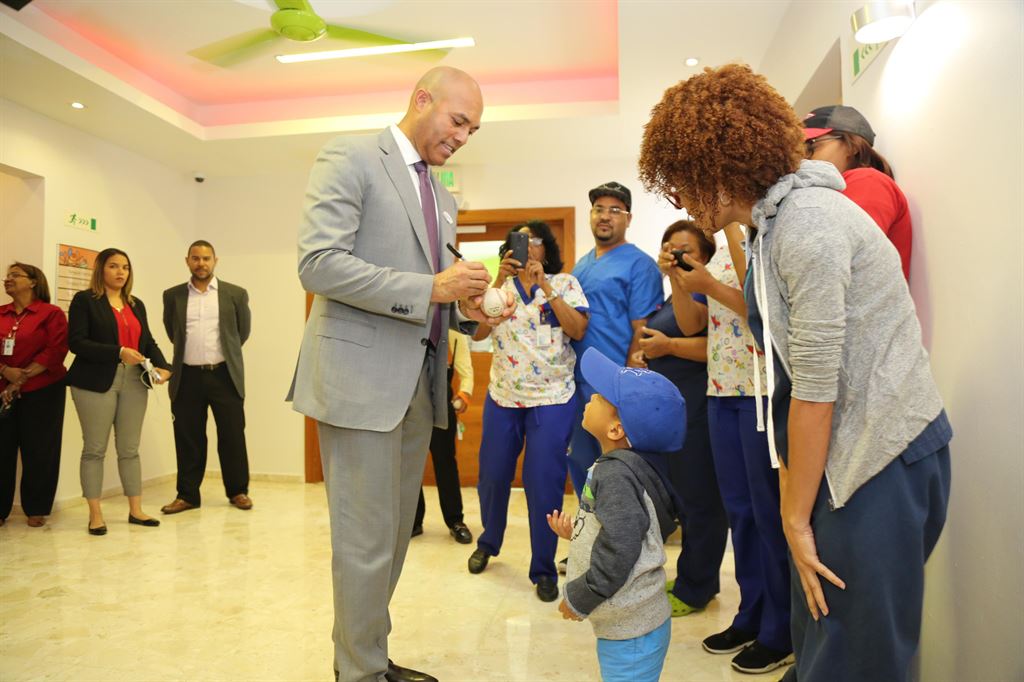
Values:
[(8, 343)]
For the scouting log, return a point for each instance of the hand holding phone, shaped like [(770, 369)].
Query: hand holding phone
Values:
[(678, 253)]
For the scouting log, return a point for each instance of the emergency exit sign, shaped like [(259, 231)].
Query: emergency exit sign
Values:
[(80, 221), (864, 55)]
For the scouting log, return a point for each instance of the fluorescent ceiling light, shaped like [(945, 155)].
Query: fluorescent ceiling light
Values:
[(77, 105), (692, 61), (370, 51), (878, 22)]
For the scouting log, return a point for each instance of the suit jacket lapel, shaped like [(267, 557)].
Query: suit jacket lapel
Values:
[(399, 174), (225, 314), (181, 310)]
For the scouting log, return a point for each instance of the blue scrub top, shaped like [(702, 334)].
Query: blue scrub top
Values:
[(622, 285)]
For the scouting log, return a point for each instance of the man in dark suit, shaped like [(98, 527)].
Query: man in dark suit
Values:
[(207, 320), (372, 366)]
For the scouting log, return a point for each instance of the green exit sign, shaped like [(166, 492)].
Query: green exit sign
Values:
[(80, 221), (863, 55), (446, 177)]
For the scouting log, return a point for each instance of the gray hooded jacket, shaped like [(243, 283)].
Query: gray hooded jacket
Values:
[(833, 301)]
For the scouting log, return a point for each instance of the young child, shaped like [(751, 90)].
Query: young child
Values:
[(627, 509)]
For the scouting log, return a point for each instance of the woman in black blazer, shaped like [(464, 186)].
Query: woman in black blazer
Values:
[(109, 334)]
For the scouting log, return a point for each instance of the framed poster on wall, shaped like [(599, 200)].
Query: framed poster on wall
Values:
[(74, 270)]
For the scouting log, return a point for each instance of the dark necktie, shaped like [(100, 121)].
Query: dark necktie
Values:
[(430, 218)]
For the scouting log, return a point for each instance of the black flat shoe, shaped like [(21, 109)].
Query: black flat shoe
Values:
[(397, 673), (478, 561), (460, 532), (547, 588), (416, 530), (143, 522), (102, 530)]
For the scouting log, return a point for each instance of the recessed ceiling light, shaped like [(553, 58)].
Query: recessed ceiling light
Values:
[(77, 105), (369, 51), (692, 61)]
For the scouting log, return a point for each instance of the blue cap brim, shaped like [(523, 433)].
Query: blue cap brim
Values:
[(601, 373)]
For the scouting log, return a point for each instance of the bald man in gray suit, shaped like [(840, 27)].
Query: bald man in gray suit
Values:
[(371, 369)]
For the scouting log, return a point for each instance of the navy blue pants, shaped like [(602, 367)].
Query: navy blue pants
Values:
[(877, 544), (583, 448), (546, 430), (705, 525), (750, 493)]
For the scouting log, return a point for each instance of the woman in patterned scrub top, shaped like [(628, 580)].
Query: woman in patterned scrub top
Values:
[(531, 397)]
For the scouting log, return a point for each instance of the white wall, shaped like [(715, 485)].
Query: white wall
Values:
[(945, 102), (21, 216), (143, 208)]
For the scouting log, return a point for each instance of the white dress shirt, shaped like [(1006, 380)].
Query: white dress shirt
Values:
[(202, 326)]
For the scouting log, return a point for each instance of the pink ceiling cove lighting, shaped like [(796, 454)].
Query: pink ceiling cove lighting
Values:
[(571, 59)]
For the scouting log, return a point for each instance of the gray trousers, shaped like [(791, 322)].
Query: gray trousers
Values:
[(373, 483), (123, 407)]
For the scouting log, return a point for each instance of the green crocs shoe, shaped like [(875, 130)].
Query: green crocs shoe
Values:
[(679, 607), (669, 586)]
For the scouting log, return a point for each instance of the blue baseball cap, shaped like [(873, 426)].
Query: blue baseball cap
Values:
[(652, 410)]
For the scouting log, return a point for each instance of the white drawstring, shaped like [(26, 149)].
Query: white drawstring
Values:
[(760, 293)]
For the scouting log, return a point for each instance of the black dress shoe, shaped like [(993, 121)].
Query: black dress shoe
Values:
[(547, 588), (416, 530), (461, 533), (478, 561), (102, 530), (143, 522), (397, 673)]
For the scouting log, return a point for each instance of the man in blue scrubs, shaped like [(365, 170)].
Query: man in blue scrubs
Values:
[(623, 287)]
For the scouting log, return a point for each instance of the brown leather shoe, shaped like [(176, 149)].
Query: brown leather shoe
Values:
[(242, 501), (36, 521), (179, 505)]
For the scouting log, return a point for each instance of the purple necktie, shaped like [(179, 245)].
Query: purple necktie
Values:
[(430, 217)]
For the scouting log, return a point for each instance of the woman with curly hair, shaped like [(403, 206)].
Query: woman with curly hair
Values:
[(855, 416)]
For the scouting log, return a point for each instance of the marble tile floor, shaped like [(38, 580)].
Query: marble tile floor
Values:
[(222, 594)]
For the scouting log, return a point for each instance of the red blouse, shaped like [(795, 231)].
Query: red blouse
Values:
[(129, 329), (41, 337)]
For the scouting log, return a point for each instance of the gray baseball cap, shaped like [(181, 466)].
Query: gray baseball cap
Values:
[(824, 120)]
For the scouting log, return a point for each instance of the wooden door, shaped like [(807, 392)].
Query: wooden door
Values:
[(474, 226)]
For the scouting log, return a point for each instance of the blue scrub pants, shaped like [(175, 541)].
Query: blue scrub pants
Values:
[(877, 544), (546, 430), (639, 659), (750, 492), (704, 523), (583, 448)]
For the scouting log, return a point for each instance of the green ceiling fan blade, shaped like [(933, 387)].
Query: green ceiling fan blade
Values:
[(366, 39), (235, 49)]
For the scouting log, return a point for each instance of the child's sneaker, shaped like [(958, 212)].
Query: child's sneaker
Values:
[(757, 658), (679, 607), (728, 641), (563, 565)]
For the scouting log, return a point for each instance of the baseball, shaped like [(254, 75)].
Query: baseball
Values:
[(494, 302)]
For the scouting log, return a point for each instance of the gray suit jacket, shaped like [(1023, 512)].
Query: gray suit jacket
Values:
[(235, 322), (363, 251)]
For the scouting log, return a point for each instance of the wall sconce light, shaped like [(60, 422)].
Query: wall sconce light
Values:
[(878, 22)]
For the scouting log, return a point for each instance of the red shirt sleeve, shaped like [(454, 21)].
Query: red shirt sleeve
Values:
[(883, 200)]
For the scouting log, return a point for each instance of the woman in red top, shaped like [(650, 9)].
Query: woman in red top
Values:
[(34, 338), (109, 334), (844, 138)]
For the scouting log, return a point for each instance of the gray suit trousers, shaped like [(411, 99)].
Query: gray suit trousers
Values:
[(373, 481)]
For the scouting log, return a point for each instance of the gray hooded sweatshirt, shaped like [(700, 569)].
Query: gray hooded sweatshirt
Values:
[(615, 573), (832, 298)]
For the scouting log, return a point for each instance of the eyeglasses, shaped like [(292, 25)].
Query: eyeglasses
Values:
[(613, 211), (13, 275), (809, 144), (536, 241), (673, 198)]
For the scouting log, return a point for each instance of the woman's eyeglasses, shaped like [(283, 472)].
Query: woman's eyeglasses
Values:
[(536, 241), (809, 144)]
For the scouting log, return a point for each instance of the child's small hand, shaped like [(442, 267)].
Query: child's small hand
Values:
[(561, 524), (568, 613)]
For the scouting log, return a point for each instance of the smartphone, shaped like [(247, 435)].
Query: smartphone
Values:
[(679, 260), (519, 247)]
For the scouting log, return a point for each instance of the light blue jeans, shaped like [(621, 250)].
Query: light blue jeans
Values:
[(635, 660)]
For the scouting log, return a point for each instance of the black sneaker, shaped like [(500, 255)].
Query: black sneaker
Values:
[(728, 641), (563, 565), (757, 658), (547, 588), (478, 561)]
